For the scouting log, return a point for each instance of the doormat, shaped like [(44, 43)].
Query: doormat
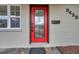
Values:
[(37, 51)]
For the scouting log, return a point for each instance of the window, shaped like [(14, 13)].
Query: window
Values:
[(3, 16), (15, 22), (15, 10), (39, 23), (3, 10), (15, 16), (9, 16), (3, 23)]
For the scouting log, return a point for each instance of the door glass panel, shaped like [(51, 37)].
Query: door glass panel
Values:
[(39, 23)]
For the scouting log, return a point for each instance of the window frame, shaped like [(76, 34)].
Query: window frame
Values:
[(8, 16)]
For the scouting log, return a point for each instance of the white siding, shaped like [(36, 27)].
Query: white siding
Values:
[(65, 33)]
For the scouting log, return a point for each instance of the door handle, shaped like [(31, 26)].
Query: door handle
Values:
[(32, 27), (32, 30)]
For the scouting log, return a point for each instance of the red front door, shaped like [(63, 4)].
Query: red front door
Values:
[(39, 23)]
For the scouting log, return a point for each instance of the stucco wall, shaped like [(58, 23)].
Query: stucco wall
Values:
[(65, 33), (17, 39)]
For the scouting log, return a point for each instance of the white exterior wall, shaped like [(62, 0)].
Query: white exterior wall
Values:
[(17, 39), (63, 34), (67, 32)]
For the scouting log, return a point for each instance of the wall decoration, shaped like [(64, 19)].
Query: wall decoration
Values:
[(76, 17), (72, 14), (55, 22), (67, 10)]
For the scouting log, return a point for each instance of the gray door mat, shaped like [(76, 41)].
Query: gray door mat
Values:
[(37, 51)]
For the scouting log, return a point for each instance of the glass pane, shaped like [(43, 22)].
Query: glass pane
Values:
[(39, 13), (3, 10), (12, 10), (15, 10), (39, 23), (3, 23), (15, 22)]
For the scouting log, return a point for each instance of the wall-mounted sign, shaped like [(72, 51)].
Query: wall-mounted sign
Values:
[(55, 22)]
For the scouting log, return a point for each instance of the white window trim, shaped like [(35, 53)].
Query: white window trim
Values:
[(8, 17)]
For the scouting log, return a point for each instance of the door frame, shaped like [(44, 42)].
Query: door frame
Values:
[(30, 6)]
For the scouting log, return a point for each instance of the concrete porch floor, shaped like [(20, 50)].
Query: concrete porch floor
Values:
[(46, 50), (29, 51)]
